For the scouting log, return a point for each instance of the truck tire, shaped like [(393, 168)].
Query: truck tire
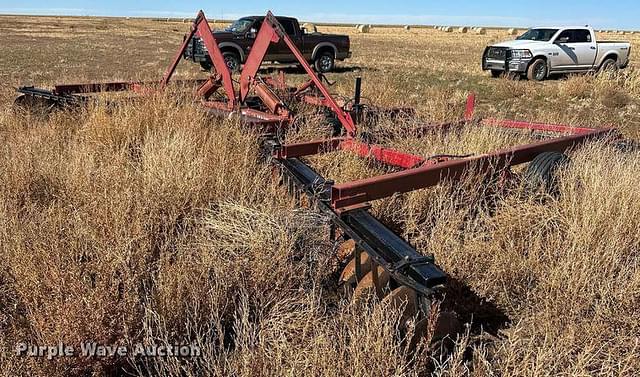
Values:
[(206, 65), (609, 65), (232, 60), (538, 70), (325, 61), (495, 73), (541, 174)]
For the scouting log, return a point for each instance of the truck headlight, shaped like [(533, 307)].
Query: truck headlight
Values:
[(520, 54)]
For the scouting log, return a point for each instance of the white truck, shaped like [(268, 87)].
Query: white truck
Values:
[(544, 51)]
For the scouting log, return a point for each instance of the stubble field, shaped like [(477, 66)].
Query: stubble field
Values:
[(152, 223)]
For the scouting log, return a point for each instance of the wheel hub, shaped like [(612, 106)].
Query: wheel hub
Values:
[(540, 71), (325, 63)]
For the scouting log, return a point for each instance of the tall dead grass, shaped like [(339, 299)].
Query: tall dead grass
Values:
[(151, 223)]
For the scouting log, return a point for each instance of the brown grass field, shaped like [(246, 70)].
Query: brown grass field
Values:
[(152, 223)]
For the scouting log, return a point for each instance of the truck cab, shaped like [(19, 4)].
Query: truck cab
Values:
[(235, 42), (541, 52)]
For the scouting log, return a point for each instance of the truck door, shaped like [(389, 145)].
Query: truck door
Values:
[(292, 29), (576, 50)]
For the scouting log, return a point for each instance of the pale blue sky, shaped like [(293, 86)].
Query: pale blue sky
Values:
[(620, 14)]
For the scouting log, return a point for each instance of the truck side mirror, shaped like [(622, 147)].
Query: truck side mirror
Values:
[(252, 33)]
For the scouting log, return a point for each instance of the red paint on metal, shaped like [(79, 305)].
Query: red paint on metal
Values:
[(116, 86), (204, 31), (178, 55), (94, 87), (364, 190), (470, 108), (537, 126), (271, 100), (381, 154), (343, 116), (201, 28), (284, 119), (384, 155), (265, 37), (209, 87), (309, 148)]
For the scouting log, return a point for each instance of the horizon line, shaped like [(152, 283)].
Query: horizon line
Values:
[(337, 18)]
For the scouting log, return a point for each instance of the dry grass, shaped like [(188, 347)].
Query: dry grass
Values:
[(150, 222)]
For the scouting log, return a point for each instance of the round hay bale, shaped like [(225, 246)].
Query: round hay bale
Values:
[(407, 27), (448, 29), (463, 30), (513, 31), (481, 31), (364, 29), (310, 28)]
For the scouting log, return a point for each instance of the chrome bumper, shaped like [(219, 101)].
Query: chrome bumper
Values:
[(518, 66)]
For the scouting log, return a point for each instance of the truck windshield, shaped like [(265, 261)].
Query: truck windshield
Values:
[(241, 25), (543, 35)]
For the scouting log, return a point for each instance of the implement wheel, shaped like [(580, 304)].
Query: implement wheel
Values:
[(541, 174)]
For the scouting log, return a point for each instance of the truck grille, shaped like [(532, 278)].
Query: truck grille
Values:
[(497, 53)]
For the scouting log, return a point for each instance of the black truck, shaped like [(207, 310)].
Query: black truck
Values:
[(321, 50)]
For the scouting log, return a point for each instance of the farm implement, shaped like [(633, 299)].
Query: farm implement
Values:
[(377, 261)]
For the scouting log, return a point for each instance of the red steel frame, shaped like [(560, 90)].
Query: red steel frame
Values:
[(418, 172), (421, 173)]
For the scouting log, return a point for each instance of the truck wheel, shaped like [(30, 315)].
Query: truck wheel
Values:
[(609, 65), (541, 174), (537, 70), (495, 74), (325, 62), (232, 60)]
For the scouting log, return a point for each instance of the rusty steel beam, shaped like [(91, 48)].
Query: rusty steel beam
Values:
[(120, 86), (273, 26), (309, 148), (201, 28), (386, 156), (116, 86), (381, 154), (557, 128), (369, 189), (266, 36)]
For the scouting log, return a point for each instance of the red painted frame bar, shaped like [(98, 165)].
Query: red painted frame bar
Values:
[(201, 28), (345, 118), (386, 156), (266, 36), (361, 191), (117, 86), (96, 87), (309, 148), (559, 128)]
